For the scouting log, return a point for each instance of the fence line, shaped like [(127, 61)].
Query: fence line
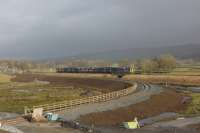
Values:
[(67, 105)]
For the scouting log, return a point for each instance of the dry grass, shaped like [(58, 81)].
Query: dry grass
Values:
[(5, 78), (14, 96), (170, 79)]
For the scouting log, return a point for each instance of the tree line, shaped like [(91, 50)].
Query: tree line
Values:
[(163, 63)]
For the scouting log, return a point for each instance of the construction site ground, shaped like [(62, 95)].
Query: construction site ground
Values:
[(148, 101), (45, 128), (37, 129), (167, 101)]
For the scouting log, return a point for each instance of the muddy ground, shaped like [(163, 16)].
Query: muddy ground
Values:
[(26, 129), (167, 101), (104, 85), (51, 129)]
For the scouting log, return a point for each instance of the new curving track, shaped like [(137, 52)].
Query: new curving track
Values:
[(143, 92)]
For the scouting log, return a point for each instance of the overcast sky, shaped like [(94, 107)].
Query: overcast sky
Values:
[(56, 28)]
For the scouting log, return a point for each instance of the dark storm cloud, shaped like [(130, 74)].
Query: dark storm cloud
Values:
[(49, 28)]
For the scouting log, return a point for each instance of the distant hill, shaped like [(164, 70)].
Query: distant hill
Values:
[(180, 51)]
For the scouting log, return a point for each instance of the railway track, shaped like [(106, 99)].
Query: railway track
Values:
[(143, 92)]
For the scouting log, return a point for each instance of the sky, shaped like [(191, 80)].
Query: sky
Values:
[(61, 28)]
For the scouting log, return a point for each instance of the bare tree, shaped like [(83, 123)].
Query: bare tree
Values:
[(166, 62)]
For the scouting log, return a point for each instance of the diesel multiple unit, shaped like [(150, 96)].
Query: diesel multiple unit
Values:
[(110, 70)]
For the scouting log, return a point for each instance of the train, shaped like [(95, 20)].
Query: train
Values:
[(106, 70)]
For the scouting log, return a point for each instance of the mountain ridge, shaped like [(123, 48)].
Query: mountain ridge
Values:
[(180, 51)]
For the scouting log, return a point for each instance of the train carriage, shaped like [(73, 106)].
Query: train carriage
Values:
[(109, 70)]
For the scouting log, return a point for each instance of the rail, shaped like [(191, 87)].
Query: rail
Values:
[(67, 105)]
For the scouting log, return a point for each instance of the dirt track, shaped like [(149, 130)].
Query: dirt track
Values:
[(104, 85), (179, 123)]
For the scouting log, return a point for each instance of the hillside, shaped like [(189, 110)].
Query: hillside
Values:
[(180, 51)]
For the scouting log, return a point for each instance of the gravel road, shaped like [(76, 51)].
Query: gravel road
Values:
[(144, 92), (178, 123)]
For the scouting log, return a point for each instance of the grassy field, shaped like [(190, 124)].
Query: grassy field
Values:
[(167, 79), (187, 71), (14, 96), (194, 106), (5, 78), (31, 89)]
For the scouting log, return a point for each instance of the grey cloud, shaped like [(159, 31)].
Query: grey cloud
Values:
[(49, 28)]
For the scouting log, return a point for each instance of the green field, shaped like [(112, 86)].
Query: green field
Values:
[(194, 106), (5, 78), (15, 95), (186, 70)]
